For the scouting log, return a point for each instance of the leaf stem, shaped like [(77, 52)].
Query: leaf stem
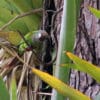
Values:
[(20, 16)]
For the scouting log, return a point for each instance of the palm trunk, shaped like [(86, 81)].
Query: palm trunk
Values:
[(87, 47)]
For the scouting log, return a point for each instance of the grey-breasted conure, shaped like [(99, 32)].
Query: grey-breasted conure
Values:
[(35, 40)]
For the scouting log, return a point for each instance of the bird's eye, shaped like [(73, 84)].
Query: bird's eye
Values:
[(39, 35)]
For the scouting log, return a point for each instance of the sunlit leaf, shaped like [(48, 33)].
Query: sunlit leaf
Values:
[(85, 66), (5, 16), (60, 86), (94, 11), (66, 41), (11, 36)]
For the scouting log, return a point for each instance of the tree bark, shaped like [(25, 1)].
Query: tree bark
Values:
[(87, 46)]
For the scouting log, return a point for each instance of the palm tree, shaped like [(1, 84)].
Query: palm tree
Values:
[(87, 47)]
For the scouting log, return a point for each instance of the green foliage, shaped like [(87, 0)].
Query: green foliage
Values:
[(9, 9), (4, 94), (12, 8), (78, 2), (13, 89), (64, 89), (32, 22), (5, 16), (66, 42), (86, 67)]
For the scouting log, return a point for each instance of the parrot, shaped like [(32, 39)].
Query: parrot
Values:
[(35, 40)]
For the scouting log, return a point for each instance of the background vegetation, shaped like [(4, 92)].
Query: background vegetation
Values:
[(20, 20)]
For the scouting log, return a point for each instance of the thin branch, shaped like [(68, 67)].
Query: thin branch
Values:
[(20, 16), (41, 93), (26, 59), (14, 54), (52, 32), (54, 16)]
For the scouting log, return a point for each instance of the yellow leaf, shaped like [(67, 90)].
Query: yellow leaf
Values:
[(60, 86), (11, 36), (94, 11), (85, 66)]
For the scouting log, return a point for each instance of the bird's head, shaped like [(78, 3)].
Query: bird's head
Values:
[(34, 39), (40, 35)]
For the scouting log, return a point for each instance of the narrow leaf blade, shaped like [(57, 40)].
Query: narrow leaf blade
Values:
[(4, 94), (13, 93), (60, 86), (85, 66), (94, 11)]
